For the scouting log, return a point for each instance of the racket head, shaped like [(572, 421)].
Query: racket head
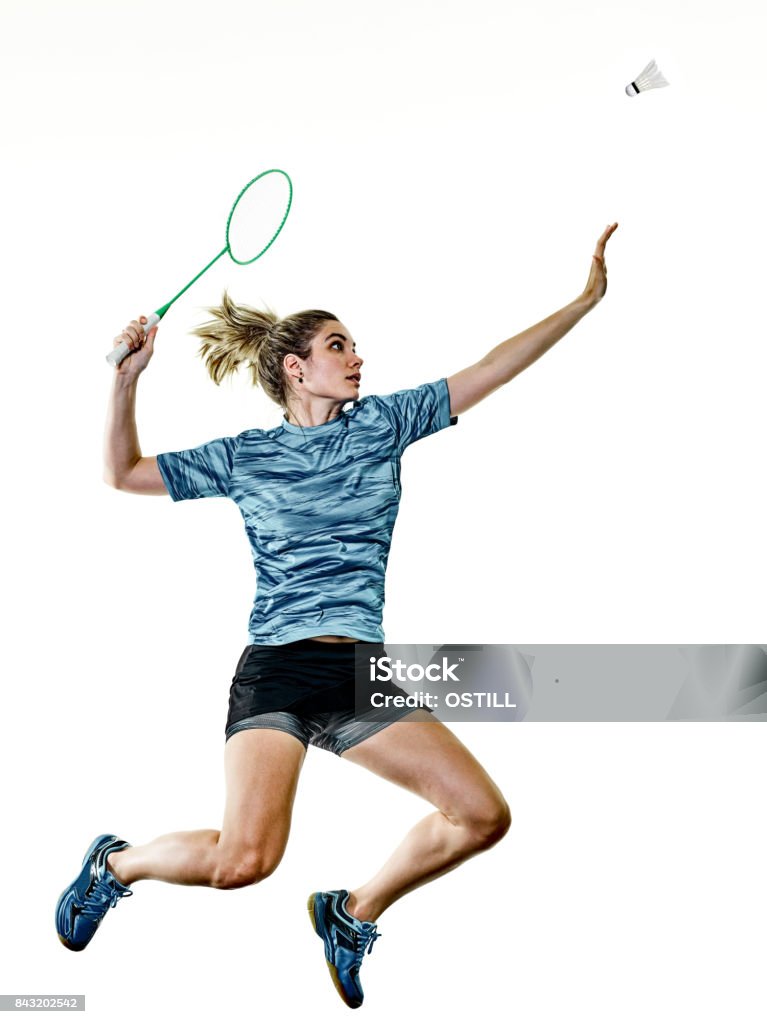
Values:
[(259, 208)]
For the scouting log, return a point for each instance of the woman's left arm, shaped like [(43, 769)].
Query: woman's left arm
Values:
[(469, 386)]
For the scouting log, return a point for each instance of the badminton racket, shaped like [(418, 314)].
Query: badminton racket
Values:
[(258, 208)]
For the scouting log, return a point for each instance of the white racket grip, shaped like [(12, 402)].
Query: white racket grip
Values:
[(119, 353)]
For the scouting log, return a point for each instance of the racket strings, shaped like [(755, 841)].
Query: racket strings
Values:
[(252, 223)]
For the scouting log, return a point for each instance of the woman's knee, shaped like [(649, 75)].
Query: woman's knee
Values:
[(247, 867), (487, 821)]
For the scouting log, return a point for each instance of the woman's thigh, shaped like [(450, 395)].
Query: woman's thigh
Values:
[(424, 756), (262, 767)]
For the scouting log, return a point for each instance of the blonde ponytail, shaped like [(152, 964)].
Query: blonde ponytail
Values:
[(239, 335), (235, 336)]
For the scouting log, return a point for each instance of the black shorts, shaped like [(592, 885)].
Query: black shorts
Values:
[(305, 688), (306, 675), (335, 731)]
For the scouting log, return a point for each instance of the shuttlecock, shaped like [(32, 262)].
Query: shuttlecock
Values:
[(650, 78)]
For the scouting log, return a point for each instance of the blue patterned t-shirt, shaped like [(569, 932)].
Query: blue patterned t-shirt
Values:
[(319, 505)]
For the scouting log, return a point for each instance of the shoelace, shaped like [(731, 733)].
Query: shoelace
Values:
[(364, 943), (103, 892)]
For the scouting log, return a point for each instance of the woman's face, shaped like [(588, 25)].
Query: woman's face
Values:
[(333, 369)]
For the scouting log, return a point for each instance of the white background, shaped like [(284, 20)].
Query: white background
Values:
[(453, 165)]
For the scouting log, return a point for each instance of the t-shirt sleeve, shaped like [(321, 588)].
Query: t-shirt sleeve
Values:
[(418, 412), (203, 472)]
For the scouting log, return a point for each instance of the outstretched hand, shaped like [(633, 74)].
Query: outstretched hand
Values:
[(596, 286)]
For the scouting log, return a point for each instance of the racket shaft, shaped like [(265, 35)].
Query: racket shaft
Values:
[(122, 351)]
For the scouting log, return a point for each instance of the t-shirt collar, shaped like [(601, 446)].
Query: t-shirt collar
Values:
[(320, 429)]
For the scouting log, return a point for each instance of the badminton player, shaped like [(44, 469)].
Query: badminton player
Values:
[(319, 495)]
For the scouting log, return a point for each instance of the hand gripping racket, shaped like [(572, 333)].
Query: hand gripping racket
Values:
[(253, 227)]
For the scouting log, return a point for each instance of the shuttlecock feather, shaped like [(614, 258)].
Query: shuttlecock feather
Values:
[(650, 78)]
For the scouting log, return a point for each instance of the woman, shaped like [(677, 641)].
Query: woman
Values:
[(319, 496)]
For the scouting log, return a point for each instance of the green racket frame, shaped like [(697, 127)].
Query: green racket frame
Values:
[(123, 350)]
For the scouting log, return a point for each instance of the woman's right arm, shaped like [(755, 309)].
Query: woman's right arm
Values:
[(124, 466)]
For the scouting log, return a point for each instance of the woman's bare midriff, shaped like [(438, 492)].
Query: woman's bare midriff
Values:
[(336, 639)]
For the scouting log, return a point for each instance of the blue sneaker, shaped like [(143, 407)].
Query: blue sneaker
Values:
[(346, 939), (83, 904)]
